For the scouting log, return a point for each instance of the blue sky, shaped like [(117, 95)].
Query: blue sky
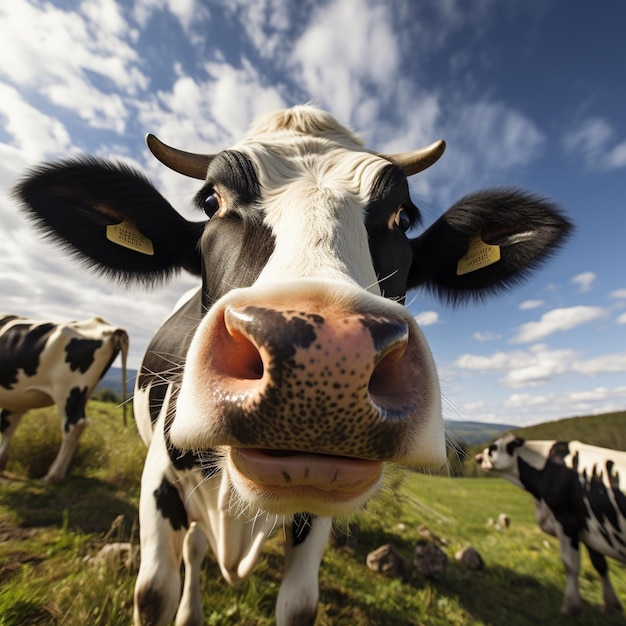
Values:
[(526, 93)]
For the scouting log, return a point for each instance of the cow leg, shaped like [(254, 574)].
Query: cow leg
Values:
[(305, 542), (194, 549), (162, 529), (570, 555), (611, 601), (69, 440), (72, 407), (8, 425)]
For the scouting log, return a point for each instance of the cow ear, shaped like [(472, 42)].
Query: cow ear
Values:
[(110, 217), (486, 242)]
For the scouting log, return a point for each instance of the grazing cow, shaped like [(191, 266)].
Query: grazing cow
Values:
[(273, 394), (578, 498), (45, 363)]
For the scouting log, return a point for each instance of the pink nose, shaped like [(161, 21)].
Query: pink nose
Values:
[(291, 380)]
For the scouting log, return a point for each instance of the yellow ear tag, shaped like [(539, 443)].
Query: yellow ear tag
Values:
[(479, 255), (127, 235)]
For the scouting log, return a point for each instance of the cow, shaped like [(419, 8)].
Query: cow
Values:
[(44, 363), (578, 499), (275, 392)]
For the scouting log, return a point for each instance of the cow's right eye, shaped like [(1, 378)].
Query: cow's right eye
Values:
[(212, 203)]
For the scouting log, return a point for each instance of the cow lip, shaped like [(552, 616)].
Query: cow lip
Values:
[(286, 469)]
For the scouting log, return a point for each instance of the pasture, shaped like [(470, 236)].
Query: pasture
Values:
[(47, 533)]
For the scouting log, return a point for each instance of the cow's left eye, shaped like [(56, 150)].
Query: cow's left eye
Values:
[(402, 220), (212, 203)]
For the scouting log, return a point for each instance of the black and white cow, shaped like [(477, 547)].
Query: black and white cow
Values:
[(274, 394), (44, 363), (578, 498)]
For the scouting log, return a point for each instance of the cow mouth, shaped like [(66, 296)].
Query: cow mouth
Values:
[(284, 473)]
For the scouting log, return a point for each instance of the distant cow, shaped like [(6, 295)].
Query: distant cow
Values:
[(274, 394), (578, 498), (44, 363)]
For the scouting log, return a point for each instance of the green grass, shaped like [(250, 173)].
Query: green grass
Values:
[(47, 531)]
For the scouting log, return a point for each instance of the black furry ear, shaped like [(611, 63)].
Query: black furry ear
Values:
[(112, 218), (487, 242)]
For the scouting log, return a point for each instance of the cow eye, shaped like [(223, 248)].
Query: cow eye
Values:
[(403, 220), (212, 203)]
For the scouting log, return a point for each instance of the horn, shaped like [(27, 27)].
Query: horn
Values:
[(186, 163), (417, 160)]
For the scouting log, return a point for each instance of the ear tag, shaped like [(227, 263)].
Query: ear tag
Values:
[(127, 235), (479, 255)]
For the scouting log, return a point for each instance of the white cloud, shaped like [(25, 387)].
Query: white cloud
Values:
[(34, 134), (528, 305), (619, 294), (538, 365), (527, 408), (60, 52), (348, 50), (266, 23), (486, 336), (616, 157), (584, 281), (504, 137), (427, 318), (185, 11), (592, 140), (557, 320), (622, 319)]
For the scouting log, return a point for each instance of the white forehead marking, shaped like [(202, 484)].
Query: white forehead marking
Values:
[(315, 190)]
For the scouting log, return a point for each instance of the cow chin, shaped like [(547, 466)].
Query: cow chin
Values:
[(285, 483)]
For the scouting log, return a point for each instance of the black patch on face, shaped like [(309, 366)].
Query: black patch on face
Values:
[(170, 505), (301, 527), (516, 443), (81, 353), (390, 248), (236, 244), (235, 175), (75, 406), (20, 348)]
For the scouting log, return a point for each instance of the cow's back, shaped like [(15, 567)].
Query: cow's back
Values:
[(602, 475), (40, 361)]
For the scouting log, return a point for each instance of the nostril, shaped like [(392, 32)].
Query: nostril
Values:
[(243, 359), (240, 358), (388, 388)]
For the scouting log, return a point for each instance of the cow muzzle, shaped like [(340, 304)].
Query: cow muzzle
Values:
[(312, 393)]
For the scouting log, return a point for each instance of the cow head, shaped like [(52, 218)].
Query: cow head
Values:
[(300, 366), (499, 457)]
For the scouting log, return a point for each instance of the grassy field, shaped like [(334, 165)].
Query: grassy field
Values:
[(48, 531)]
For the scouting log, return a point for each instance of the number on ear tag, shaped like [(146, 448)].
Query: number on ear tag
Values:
[(128, 236), (479, 255)]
